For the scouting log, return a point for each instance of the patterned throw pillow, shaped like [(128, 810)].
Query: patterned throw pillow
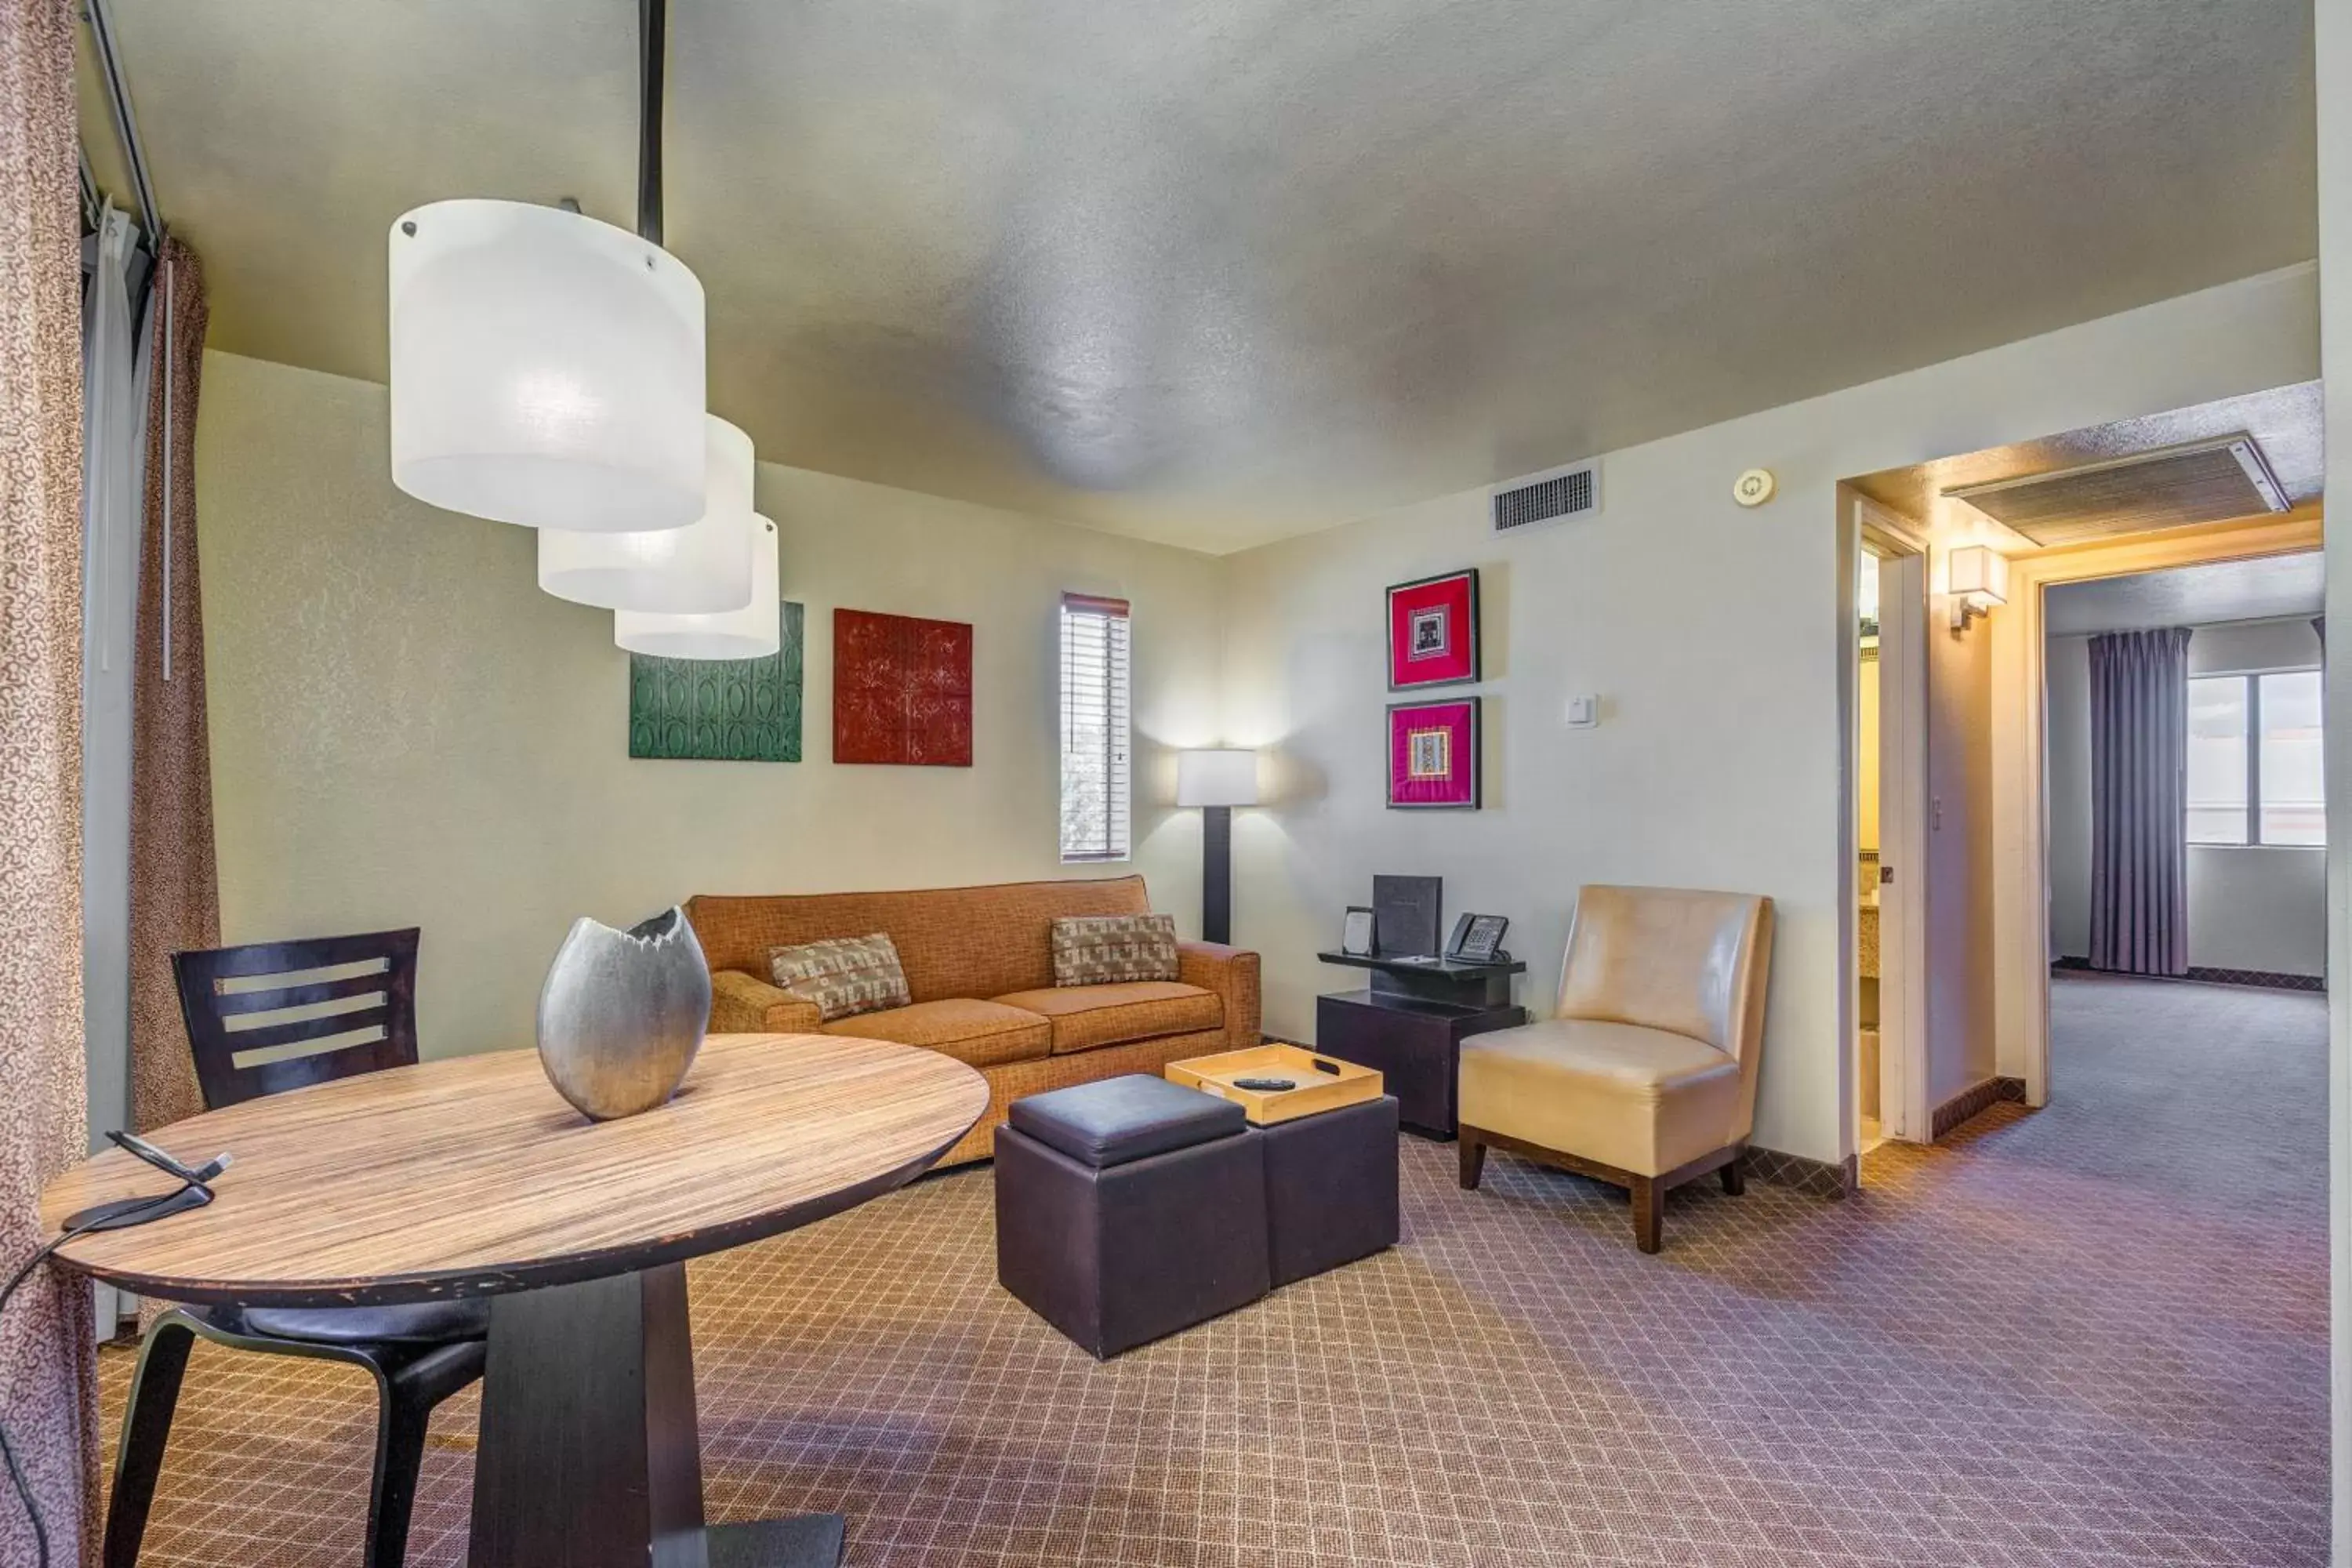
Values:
[(1103, 950), (844, 976)]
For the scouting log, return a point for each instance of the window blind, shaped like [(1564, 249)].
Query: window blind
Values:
[(1096, 787)]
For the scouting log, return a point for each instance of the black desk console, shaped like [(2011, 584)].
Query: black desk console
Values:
[(1409, 1024)]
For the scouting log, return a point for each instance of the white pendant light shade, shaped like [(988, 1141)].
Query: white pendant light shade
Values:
[(752, 632), (547, 369), (696, 570)]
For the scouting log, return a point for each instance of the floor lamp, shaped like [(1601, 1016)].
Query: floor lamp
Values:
[(1216, 782)]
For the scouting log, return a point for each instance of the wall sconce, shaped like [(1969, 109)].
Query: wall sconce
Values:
[(1979, 582), (1216, 782)]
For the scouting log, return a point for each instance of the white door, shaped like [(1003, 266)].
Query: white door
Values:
[(1902, 821)]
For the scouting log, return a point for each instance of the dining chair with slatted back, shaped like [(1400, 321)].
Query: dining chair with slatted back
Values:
[(276, 1016), (265, 1019)]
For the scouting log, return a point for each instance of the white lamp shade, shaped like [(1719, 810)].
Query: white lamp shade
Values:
[(547, 369), (1216, 778), (1980, 576), (701, 569), (754, 631)]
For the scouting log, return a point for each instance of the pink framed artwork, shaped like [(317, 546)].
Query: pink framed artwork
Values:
[(1433, 631), (1433, 754)]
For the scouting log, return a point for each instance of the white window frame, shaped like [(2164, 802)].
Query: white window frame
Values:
[(2252, 679), (1098, 701)]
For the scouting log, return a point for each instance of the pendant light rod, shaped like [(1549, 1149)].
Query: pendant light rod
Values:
[(653, 29)]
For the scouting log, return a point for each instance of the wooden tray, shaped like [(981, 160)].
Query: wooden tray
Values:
[(1318, 1089)]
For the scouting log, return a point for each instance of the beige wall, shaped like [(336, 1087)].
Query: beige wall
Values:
[(1712, 635), (2066, 784), (406, 732), (1961, 995)]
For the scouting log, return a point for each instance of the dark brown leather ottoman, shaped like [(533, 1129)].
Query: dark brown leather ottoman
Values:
[(1129, 1208), (1330, 1187)]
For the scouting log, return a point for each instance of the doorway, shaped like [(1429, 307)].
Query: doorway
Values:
[(2237, 887), (1887, 762), (2235, 478)]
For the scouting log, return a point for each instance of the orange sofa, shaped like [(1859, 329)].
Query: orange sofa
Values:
[(980, 968)]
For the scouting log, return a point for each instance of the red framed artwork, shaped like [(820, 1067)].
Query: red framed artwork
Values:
[(1433, 754), (1433, 631), (901, 690)]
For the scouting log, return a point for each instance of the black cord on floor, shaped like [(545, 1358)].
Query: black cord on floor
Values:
[(24, 1494), (9, 1449)]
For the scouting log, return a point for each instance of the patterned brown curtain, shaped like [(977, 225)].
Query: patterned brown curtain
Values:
[(174, 886), (47, 1391)]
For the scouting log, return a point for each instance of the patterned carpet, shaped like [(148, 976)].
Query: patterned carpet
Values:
[(2093, 1334)]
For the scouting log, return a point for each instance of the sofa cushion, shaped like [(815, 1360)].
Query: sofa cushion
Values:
[(1118, 1121), (1085, 1016), (1108, 950), (844, 975), (976, 1033)]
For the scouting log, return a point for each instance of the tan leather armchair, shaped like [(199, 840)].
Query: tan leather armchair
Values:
[(1646, 1076)]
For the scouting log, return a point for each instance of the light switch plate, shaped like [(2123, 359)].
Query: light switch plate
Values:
[(1583, 712)]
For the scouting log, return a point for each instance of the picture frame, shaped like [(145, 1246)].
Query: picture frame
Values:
[(902, 690), (721, 710), (1433, 631), (1433, 748), (1356, 933)]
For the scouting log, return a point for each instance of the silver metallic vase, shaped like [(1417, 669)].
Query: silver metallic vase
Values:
[(623, 1013)]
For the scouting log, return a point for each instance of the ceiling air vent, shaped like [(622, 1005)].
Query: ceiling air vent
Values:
[(2174, 487), (1547, 497)]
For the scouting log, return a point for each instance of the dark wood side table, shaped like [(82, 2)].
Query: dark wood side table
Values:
[(1409, 1024)]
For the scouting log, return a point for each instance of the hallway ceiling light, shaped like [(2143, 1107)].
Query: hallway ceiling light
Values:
[(547, 369), (752, 632), (701, 569), (1980, 583)]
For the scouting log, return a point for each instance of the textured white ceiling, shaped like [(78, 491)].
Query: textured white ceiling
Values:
[(1217, 272), (2266, 589)]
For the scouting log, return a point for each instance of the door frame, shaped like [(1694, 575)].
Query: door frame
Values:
[(2020, 801), (1903, 619)]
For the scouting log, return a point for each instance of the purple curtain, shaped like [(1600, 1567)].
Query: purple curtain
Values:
[(2139, 802)]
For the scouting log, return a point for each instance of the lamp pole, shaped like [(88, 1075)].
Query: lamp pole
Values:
[(1217, 873)]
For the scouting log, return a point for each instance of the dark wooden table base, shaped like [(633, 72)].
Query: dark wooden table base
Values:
[(588, 1455)]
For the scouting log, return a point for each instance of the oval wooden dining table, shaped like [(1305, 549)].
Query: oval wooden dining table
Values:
[(470, 1176)]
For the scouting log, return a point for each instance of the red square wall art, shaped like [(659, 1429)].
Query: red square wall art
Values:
[(901, 690), (1433, 754), (1433, 631)]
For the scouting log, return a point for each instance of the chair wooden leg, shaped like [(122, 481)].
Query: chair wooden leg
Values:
[(400, 1423), (146, 1429), (1473, 1154), (1649, 1212), (1735, 1174)]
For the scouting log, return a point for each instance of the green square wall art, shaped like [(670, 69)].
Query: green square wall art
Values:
[(722, 711)]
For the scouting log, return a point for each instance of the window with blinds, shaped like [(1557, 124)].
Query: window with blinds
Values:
[(1095, 725)]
